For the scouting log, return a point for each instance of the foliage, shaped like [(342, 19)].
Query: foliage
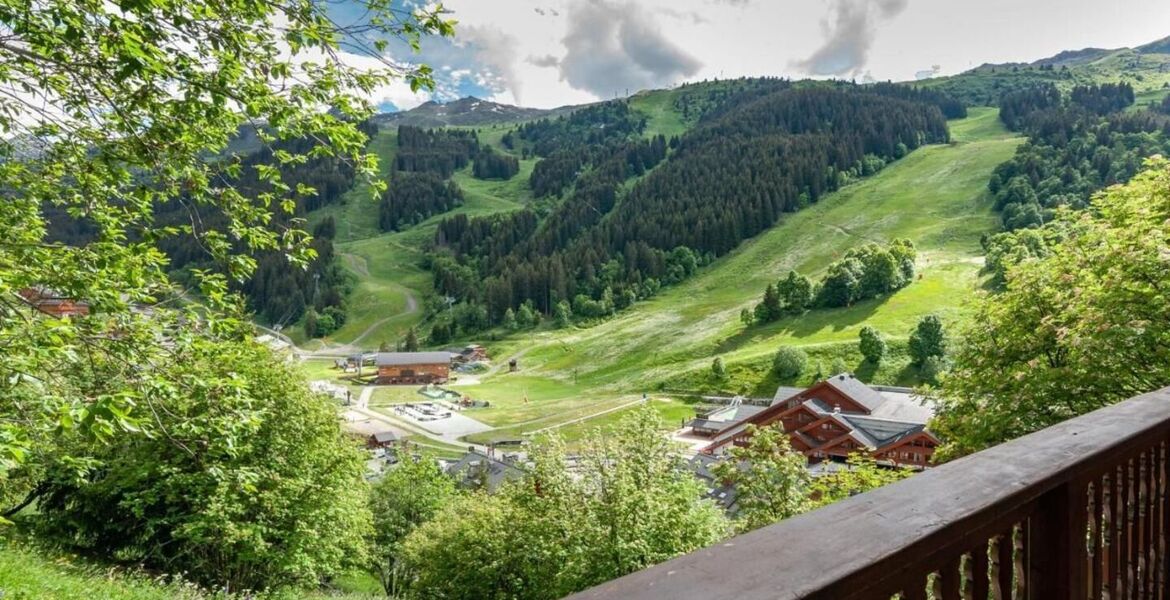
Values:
[(410, 198), (862, 475), (928, 339), (111, 114), (490, 164), (440, 152), (248, 483), (410, 343), (789, 362), (628, 506), (728, 179), (1074, 149), (871, 344), (1072, 331), (771, 479), (932, 369), (717, 368), (410, 494), (867, 271)]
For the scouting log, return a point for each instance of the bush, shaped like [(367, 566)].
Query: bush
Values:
[(871, 344), (717, 368), (933, 367), (789, 362), (927, 340)]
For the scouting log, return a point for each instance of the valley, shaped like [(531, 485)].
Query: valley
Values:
[(936, 196)]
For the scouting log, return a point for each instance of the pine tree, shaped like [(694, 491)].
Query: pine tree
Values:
[(410, 344), (311, 324)]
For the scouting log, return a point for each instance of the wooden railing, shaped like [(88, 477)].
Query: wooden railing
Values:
[(1078, 510)]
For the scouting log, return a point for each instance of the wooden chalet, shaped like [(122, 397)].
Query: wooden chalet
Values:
[(472, 353), (54, 304), (841, 416), (412, 367), (382, 439)]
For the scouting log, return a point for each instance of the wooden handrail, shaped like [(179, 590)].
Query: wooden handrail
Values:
[(1077, 510)]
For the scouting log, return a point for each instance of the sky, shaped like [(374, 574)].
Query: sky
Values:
[(548, 53)]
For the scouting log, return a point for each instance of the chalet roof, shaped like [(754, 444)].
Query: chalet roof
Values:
[(876, 433), (894, 412), (468, 467), (860, 393), (725, 496), (785, 392), (903, 406), (726, 416), (382, 437), (393, 359)]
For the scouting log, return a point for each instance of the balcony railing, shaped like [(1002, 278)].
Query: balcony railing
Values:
[(1078, 510)]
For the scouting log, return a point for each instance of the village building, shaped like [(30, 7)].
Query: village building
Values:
[(471, 353), (412, 367), (382, 439), (476, 470), (838, 417), (53, 303)]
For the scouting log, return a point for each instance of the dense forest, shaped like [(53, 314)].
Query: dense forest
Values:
[(277, 293), (1076, 146), (620, 235), (412, 197), (490, 164), (440, 151)]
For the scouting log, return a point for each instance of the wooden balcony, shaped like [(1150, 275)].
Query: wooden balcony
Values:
[(1078, 510)]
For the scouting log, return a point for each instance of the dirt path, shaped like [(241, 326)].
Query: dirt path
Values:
[(585, 418)]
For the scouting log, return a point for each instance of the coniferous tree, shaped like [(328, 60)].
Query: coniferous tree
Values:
[(410, 343)]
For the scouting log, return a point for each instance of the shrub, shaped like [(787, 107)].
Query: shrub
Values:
[(789, 362)]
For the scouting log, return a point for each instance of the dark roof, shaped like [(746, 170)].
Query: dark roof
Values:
[(385, 436), (880, 432), (862, 394), (785, 392), (469, 467), (412, 358), (725, 496)]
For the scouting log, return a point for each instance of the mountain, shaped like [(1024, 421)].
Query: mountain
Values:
[(466, 112), (1145, 67)]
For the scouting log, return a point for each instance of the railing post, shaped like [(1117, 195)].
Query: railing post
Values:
[(1056, 564)]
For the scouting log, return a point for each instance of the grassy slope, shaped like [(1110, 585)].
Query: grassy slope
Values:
[(386, 264), (30, 575), (936, 197)]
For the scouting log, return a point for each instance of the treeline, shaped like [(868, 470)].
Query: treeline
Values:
[(696, 100), (1103, 99), (439, 151), (1072, 151), (411, 198), (1015, 106), (951, 107), (729, 179), (987, 84), (864, 272), (490, 164), (277, 293), (593, 125)]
